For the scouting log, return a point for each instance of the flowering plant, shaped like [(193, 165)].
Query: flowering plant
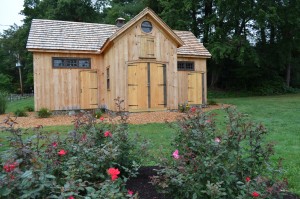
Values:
[(215, 164), (82, 164)]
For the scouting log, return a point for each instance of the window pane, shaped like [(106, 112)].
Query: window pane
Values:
[(71, 63), (185, 66), (57, 62), (146, 26), (84, 63)]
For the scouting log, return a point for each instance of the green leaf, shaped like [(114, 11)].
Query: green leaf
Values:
[(50, 176), (4, 191), (194, 196), (27, 174), (90, 190)]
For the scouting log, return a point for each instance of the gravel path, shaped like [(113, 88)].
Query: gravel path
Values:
[(134, 118)]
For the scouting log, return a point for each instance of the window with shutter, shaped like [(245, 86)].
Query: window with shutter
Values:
[(147, 47)]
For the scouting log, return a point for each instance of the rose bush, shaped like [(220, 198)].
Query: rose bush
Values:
[(94, 160), (207, 163)]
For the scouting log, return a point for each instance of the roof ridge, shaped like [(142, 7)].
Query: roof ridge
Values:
[(77, 22)]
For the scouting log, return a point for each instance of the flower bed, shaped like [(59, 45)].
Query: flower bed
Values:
[(99, 160)]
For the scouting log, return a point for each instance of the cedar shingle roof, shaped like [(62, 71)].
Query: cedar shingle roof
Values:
[(66, 35), (191, 45)]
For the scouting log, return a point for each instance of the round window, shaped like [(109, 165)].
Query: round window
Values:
[(146, 26)]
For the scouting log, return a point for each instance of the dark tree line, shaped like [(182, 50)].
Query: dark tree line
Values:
[(255, 44)]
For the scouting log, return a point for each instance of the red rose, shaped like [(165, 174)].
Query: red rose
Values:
[(62, 152), (193, 109), (54, 144), (101, 118), (248, 179), (10, 167), (107, 134), (255, 194), (130, 192), (114, 173)]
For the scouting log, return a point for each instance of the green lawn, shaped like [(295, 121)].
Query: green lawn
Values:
[(20, 104), (280, 115)]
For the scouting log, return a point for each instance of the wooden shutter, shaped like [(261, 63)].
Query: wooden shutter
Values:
[(147, 47)]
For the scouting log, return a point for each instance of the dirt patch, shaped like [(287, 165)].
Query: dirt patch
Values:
[(142, 185), (134, 118)]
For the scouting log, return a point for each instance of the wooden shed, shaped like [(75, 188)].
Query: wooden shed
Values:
[(88, 65)]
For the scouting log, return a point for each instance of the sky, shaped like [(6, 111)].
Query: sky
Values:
[(9, 13)]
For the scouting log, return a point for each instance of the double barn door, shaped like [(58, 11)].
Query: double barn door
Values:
[(146, 86)]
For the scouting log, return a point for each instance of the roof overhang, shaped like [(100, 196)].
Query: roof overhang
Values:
[(193, 56), (64, 51)]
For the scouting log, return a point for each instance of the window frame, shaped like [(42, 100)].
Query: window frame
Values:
[(146, 28), (185, 66), (76, 60)]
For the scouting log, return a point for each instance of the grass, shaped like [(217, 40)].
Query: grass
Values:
[(280, 115), (20, 104), (160, 137)]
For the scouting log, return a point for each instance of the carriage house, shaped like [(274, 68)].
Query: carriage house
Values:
[(144, 62)]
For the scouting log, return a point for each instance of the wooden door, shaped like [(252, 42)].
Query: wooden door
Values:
[(194, 88), (88, 90), (158, 86), (146, 86), (137, 86)]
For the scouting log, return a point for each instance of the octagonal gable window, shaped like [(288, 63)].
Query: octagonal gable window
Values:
[(146, 26)]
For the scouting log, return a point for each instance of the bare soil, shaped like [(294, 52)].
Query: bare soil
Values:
[(141, 185), (134, 118)]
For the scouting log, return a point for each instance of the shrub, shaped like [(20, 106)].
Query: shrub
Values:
[(210, 164), (44, 113), (98, 113), (29, 108), (92, 161), (3, 102), (184, 107), (20, 113)]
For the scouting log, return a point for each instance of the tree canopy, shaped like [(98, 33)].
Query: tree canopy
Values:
[(255, 44)]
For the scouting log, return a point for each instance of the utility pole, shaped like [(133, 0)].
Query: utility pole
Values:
[(18, 65)]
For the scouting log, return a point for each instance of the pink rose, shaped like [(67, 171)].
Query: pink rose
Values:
[(217, 139), (176, 154)]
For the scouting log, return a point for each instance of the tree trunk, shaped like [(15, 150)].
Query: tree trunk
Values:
[(207, 13), (288, 74)]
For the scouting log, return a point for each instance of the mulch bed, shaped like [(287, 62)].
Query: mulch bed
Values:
[(134, 118), (141, 185)]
